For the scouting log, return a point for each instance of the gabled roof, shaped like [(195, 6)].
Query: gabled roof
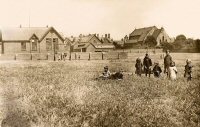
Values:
[(25, 33), (141, 33), (86, 38), (82, 45), (156, 33), (105, 40)]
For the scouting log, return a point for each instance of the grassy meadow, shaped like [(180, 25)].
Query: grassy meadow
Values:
[(67, 94)]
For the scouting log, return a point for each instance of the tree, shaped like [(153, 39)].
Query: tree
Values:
[(150, 41), (167, 46), (198, 44), (180, 38)]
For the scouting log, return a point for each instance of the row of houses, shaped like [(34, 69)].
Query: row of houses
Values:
[(49, 40)]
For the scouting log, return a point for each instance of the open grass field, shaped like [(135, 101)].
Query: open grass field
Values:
[(66, 94)]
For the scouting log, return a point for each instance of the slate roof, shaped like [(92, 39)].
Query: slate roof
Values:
[(105, 40), (82, 45), (156, 33), (141, 33), (25, 33)]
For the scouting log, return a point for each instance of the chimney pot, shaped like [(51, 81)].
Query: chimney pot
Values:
[(109, 36)]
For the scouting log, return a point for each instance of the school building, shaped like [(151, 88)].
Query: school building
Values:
[(31, 40)]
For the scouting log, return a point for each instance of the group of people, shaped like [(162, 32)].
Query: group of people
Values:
[(169, 67), (148, 68)]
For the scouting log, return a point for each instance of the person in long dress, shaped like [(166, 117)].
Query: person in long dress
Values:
[(172, 71)]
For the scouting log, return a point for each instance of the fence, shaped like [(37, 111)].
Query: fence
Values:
[(96, 56)]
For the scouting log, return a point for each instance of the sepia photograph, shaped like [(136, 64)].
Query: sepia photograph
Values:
[(99, 63)]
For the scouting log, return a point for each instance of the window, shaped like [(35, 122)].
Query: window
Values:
[(81, 45), (23, 46), (55, 42), (34, 45), (48, 44), (83, 49), (163, 38)]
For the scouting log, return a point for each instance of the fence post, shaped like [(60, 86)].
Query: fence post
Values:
[(47, 56), (89, 56), (70, 56), (102, 55), (79, 56), (15, 58), (31, 56)]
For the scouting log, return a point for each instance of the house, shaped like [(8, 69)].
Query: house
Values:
[(90, 43), (68, 44), (31, 40), (138, 37)]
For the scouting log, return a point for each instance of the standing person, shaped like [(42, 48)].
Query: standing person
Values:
[(167, 62), (147, 65), (172, 71), (188, 70), (157, 70), (138, 66)]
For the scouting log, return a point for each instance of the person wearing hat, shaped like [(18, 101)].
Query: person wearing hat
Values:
[(188, 70), (167, 62), (157, 70), (147, 63)]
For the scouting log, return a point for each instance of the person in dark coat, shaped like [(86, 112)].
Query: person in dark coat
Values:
[(147, 63), (167, 62), (138, 66), (118, 75), (157, 70), (188, 70)]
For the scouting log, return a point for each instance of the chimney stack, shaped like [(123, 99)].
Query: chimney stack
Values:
[(98, 35), (105, 35), (109, 36), (20, 26)]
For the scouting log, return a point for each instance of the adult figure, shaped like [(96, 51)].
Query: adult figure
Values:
[(147, 63), (167, 62)]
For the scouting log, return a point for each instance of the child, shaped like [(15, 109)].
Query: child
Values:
[(172, 71), (157, 70), (118, 75), (138, 67), (188, 70), (106, 73)]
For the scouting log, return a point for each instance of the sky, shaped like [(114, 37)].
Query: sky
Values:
[(117, 17)]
